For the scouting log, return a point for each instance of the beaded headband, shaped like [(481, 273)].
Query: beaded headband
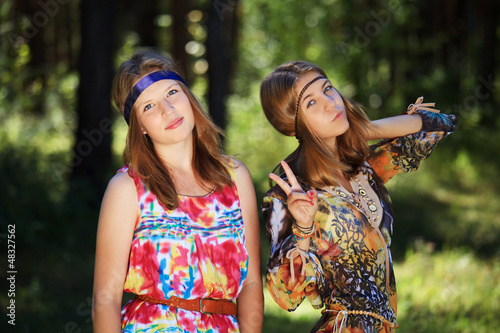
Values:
[(300, 97), (143, 84)]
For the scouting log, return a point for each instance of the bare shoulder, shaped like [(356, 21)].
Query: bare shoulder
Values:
[(245, 185), (236, 162), (122, 180), (240, 170), (119, 208), (120, 196), (121, 184)]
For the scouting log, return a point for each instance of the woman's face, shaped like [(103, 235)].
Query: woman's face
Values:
[(323, 108), (165, 113)]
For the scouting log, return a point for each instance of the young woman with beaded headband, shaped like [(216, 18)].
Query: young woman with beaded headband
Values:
[(329, 218), (178, 225)]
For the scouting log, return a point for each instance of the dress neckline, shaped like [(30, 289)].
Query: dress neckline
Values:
[(363, 198), (197, 196)]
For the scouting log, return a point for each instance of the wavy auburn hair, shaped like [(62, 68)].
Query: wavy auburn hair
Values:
[(313, 161), (209, 164)]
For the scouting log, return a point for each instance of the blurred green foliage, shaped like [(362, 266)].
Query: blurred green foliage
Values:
[(450, 204)]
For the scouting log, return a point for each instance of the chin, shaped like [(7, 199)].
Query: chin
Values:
[(345, 128)]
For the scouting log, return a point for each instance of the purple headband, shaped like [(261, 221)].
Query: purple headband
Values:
[(143, 84)]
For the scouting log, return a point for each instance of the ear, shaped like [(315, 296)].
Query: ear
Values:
[(142, 129)]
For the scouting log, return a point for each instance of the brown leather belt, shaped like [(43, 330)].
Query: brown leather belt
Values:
[(203, 305)]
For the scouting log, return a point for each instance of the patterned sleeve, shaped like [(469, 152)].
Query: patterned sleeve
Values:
[(288, 280), (404, 154)]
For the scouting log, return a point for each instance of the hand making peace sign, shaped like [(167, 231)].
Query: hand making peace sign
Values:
[(303, 206)]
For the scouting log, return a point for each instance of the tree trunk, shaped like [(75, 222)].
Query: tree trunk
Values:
[(488, 11), (147, 12), (221, 42), (180, 36), (92, 149)]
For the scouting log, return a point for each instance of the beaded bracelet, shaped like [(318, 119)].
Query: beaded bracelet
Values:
[(296, 237), (302, 233)]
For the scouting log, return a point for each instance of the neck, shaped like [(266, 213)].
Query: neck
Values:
[(331, 144), (178, 160), (177, 156)]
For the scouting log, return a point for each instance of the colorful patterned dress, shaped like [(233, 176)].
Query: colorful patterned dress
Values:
[(194, 251), (348, 266)]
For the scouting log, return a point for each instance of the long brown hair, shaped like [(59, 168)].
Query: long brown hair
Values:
[(209, 164), (313, 161)]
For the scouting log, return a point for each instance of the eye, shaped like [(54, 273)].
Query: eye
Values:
[(311, 103), (327, 89), (172, 92), (148, 106)]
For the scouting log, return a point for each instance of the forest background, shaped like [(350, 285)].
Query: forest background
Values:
[(61, 140)]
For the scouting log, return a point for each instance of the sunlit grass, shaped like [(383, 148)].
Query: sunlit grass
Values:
[(450, 291)]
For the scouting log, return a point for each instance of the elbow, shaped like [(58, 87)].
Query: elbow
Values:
[(252, 320), (102, 301), (98, 305), (106, 316), (250, 304)]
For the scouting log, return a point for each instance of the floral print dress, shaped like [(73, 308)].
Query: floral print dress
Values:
[(194, 251), (348, 266)]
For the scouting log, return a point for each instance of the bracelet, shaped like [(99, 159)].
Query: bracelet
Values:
[(306, 230), (296, 237), (301, 232)]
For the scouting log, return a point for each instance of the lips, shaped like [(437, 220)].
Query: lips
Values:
[(175, 123), (337, 116)]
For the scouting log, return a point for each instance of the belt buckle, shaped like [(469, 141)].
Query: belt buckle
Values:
[(201, 307), (209, 299)]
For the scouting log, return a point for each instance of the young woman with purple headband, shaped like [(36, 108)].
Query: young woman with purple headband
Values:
[(178, 225), (329, 218)]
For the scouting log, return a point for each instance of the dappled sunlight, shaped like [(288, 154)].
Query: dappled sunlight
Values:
[(451, 203), (449, 291)]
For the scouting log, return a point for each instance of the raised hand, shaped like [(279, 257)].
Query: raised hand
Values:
[(303, 206)]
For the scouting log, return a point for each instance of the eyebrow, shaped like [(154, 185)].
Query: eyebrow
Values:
[(309, 95)]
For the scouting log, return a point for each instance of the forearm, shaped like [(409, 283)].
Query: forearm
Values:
[(394, 127), (304, 244), (106, 316), (251, 308)]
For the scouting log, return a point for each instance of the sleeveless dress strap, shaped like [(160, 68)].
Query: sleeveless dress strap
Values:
[(230, 169)]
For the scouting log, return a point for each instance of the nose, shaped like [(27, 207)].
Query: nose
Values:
[(166, 106), (332, 103)]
